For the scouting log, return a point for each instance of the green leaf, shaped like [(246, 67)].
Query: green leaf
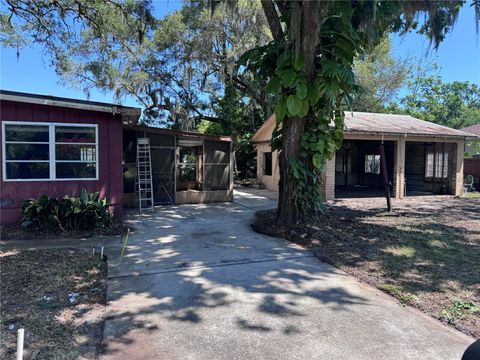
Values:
[(317, 161), (284, 59), (294, 105), (273, 85), (84, 196), (314, 92), (302, 89), (304, 109), (298, 62), (280, 110), (288, 77)]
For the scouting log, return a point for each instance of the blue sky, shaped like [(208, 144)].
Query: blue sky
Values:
[(458, 56)]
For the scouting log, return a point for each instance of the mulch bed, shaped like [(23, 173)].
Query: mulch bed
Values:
[(425, 254), (17, 232), (58, 296)]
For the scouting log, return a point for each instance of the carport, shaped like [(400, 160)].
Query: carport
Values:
[(358, 170)]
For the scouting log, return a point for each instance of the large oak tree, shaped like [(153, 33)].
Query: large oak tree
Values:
[(308, 65)]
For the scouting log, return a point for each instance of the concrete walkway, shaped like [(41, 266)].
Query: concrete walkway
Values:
[(197, 283)]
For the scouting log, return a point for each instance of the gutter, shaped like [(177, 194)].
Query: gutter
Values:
[(113, 109), (379, 133)]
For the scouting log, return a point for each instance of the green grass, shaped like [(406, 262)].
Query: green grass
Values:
[(403, 297)]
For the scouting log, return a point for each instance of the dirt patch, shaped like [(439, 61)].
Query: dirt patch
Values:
[(17, 232), (58, 297), (426, 253)]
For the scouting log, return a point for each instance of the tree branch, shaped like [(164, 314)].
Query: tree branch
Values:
[(273, 20)]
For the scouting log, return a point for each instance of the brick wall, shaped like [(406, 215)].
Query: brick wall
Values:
[(329, 186)]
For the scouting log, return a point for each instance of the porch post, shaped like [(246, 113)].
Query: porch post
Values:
[(399, 169), (329, 186), (457, 178)]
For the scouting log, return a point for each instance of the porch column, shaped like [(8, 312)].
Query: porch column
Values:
[(399, 169), (329, 185), (457, 176)]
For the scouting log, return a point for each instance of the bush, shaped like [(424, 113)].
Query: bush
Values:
[(68, 214)]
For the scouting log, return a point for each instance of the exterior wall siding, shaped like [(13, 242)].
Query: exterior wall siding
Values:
[(269, 182), (110, 179)]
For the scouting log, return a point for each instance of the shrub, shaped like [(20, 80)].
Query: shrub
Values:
[(68, 214)]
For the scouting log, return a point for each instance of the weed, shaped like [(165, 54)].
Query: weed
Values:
[(459, 310)]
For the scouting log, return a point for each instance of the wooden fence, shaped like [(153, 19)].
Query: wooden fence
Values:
[(472, 167)]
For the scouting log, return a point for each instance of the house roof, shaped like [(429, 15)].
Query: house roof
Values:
[(393, 124), (182, 134), (375, 123), (474, 129), (130, 115)]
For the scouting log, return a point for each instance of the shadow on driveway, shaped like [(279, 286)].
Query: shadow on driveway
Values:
[(196, 282)]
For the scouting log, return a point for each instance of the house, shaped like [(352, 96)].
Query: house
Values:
[(421, 157), (470, 147), (58, 146), (472, 150)]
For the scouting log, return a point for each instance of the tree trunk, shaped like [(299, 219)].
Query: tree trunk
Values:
[(306, 16), (292, 130)]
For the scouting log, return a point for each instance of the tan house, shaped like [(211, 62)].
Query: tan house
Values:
[(422, 157)]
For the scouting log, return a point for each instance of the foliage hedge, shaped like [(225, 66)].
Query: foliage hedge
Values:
[(68, 214)]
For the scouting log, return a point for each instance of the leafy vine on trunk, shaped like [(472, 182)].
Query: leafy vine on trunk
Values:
[(319, 102)]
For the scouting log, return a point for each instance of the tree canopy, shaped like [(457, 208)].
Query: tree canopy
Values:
[(455, 104), (178, 66), (175, 66), (380, 75)]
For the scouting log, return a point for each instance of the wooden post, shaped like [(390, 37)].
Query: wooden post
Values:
[(385, 177)]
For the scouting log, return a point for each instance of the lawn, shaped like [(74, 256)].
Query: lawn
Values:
[(58, 297), (426, 253)]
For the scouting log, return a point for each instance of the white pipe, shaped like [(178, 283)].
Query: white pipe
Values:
[(20, 344), (101, 253)]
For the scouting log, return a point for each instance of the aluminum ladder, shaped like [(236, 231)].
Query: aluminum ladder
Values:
[(144, 175)]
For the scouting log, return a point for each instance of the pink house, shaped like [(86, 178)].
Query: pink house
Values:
[(58, 147)]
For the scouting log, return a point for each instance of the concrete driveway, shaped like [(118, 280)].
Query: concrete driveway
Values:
[(197, 283)]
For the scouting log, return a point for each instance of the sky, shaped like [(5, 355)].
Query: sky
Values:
[(458, 58)]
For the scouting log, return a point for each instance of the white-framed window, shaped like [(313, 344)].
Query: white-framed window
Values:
[(372, 164), (436, 161), (39, 151)]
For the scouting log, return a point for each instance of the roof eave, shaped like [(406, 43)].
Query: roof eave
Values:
[(444, 136), (129, 114)]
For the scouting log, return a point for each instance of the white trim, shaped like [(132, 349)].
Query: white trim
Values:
[(74, 105), (52, 161), (46, 123), (27, 161)]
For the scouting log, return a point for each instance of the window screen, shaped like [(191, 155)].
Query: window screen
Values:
[(217, 165), (49, 151)]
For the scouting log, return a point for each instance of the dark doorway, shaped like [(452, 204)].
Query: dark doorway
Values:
[(358, 171)]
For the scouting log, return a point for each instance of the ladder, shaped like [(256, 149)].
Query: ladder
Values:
[(144, 184)]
